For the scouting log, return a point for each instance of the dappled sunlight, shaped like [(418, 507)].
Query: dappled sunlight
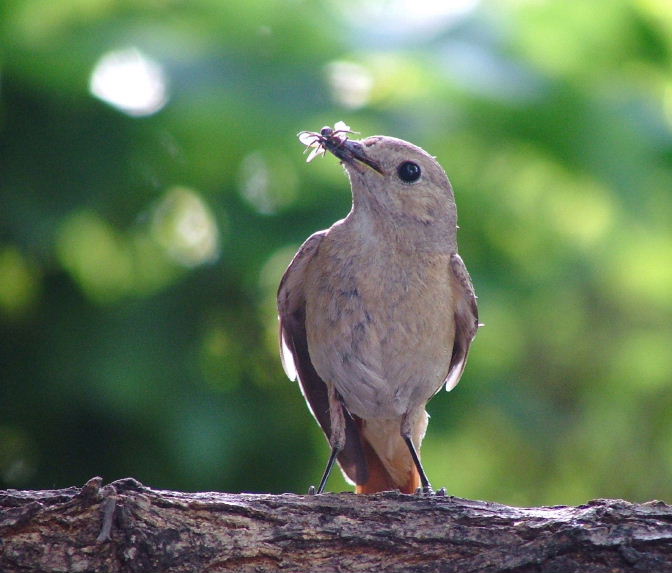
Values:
[(130, 81), (396, 78), (96, 256), (19, 283), (184, 226), (350, 84), (267, 181), (637, 272), (153, 192), (109, 264), (405, 19)]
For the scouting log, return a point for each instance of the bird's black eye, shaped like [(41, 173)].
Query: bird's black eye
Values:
[(409, 171)]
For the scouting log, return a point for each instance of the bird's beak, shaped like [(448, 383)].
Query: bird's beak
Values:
[(350, 151)]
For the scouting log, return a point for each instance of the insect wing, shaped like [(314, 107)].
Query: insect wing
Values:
[(319, 150), (342, 127), (309, 138)]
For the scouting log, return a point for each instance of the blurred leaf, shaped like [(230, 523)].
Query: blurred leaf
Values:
[(141, 247)]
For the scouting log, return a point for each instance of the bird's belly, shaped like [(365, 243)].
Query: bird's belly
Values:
[(385, 346)]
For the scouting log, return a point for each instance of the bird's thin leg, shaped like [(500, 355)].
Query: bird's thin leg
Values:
[(327, 471), (415, 422), (426, 486), (336, 438)]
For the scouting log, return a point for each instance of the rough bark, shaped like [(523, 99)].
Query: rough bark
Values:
[(125, 526)]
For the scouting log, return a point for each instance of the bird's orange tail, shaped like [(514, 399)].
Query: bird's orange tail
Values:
[(380, 479)]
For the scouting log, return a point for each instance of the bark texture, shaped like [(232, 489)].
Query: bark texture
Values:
[(125, 526)]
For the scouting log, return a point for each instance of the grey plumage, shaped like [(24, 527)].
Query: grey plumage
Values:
[(378, 312)]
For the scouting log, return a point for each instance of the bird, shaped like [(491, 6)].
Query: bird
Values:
[(378, 312)]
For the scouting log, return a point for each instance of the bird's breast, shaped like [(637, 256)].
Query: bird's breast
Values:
[(380, 326)]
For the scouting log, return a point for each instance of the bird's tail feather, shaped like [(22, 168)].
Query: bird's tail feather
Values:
[(379, 478)]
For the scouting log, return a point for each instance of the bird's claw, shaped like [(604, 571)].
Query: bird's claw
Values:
[(428, 491), (312, 490)]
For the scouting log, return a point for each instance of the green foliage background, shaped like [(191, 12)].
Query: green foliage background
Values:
[(139, 256)]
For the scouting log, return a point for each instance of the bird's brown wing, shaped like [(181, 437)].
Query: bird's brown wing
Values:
[(297, 363), (466, 319)]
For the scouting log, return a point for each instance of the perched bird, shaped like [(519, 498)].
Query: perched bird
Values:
[(378, 312)]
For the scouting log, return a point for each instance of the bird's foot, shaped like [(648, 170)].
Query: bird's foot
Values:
[(312, 490), (428, 491)]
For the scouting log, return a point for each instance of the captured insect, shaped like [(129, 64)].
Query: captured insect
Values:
[(328, 139)]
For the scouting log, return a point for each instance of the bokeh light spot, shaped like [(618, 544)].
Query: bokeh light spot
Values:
[(185, 227), (19, 283), (130, 81), (267, 181), (413, 19), (96, 256), (350, 84)]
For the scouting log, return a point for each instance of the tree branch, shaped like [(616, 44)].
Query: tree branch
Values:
[(125, 526)]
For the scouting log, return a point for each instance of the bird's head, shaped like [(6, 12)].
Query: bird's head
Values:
[(392, 176)]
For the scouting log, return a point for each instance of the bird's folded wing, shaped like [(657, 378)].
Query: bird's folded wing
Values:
[(466, 319), (297, 363), (292, 303)]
